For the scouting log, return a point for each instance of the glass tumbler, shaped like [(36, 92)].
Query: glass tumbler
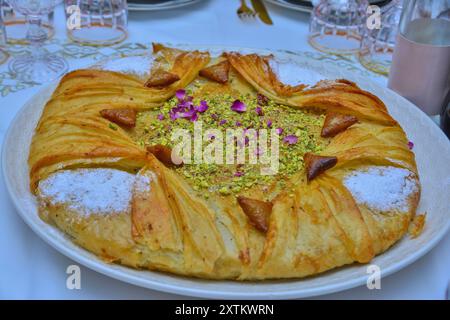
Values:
[(96, 22), (336, 25), (377, 45)]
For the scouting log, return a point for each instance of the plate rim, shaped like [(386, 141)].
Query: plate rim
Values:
[(155, 7), (116, 272), (291, 6)]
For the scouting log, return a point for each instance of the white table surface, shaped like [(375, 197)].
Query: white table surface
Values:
[(31, 269)]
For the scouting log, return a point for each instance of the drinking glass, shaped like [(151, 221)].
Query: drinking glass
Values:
[(39, 66), (336, 25), (16, 25), (377, 45), (97, 22), (420, 69)]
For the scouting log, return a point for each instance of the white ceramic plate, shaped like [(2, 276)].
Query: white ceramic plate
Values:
[(307, 6), (166, 5), (302, 6), (432, 150)]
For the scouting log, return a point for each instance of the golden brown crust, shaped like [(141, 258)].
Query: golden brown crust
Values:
[(312, 227), (316, 164), (164, 154), (161, 78), (218, 72), (123, 117), (257, 211), (336, 123)]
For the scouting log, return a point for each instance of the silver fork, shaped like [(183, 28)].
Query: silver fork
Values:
[(244, 12)]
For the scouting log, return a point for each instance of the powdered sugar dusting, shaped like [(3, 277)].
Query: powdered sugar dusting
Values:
[(88, 191), (382, 188), (293, 74), (142, 182), (139, 66)]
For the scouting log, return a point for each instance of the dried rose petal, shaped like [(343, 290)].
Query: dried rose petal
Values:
[(160, 117), (174, 115), (222, 122), (290, 139), (269, 123), (410, 145), (279, 131), (202, 107), (238, 124), (238, 106), (188, 114), (238, 174), (180, 94), (214, 116), (184, 105), (194, 117), (262, 99), (259, 111)]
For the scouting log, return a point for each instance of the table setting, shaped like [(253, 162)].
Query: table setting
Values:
[(392, 54)]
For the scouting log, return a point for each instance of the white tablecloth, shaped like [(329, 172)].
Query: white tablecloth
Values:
[(31, 269)]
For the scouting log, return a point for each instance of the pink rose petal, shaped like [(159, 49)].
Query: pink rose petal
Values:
[(194, 117), (259, 111), (290, 139), (238, 106), (180, 94), (262, 99), (279, 131), (202, 107), (174, 115)]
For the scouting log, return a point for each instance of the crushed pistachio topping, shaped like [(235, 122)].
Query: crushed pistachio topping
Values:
[(298, 130)]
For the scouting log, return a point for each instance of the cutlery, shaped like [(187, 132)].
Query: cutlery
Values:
[(260, 8), (244, 12)]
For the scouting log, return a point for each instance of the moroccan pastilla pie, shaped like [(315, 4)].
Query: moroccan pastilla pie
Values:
[(103, 167)]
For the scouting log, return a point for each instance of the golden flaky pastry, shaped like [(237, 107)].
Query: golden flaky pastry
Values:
[(323, 216)]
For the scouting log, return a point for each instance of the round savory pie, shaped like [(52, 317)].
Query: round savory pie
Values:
[(317, 177)]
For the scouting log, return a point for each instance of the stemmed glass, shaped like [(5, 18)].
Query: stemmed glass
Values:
[(38, 66)]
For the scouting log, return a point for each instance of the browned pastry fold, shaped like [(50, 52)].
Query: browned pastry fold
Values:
[(218, 72), (257, 211), (336, 123), (340, 96), (124, 117), (161, 78), (164, 154), (316, 164)]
